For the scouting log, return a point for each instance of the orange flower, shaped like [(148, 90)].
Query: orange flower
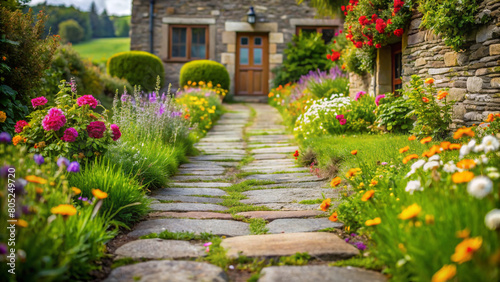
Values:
[(445, 145), (354, 152), (373, 183), (22, 223), (426, 140), (16, 139), (367, 195), (409, 158), (429, 80), (463, 131), (435, 149), (462, 177), (352, 172), (463, 233), (99, 194), (335, 182), (76, 190), (325, 204), (372, 222), (466, 164), (271, 94), (490, 118), (465, 249), (411, 138), (455, 146), (441, 95), (186, 116), (410, 212), (65, 210), (446, 272), (35, 179), (404, 149), (333, 217), (425, 99), (38, 190)]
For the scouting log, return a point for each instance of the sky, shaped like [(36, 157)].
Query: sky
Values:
[(113, 7)]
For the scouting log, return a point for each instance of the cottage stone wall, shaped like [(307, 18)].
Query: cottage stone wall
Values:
[(278, 17), (472, 75)]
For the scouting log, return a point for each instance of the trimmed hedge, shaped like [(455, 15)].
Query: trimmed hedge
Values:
[(206, 71), (138, 67)]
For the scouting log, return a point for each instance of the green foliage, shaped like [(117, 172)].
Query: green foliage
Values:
[(328, 87), (360, 61), (205, 71), (297, 259), (12, 109), (452, 19), (125, 195), (258, 226), (70, 31), (361, 262), (138, 68), (304, 53), (122, 26), (27, 52), (185, 236), (392, 113)]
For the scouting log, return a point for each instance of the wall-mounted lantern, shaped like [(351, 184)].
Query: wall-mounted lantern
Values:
[(251, 16)]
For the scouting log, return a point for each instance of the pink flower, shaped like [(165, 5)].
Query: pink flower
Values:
[(115, 132), (87, 100), (96, 129), (378, 98), (359, 94), (339, 117), (20, 125), (54, 120), (40, 101), (70, 135), (343, 121)]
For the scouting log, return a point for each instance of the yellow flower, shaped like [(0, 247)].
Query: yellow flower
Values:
[(463, 233), (35, 179), (410, 212), (446, 272), (410, 157), (465, 249), (189, 82), (325, 204), (76, 190), (352, 172), (65, 210), (429, 219), (373, 183), (3, 116), (372, 222), (335, 182), (462, 177), (99, 194), (210, 85), (22, 223)]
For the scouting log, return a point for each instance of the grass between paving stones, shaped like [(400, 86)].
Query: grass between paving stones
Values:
[(258, 226), (247, 173), (311, 202), (185, 236), (362, 262)]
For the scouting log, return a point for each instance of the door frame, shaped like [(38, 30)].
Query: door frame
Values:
[(265, 62)]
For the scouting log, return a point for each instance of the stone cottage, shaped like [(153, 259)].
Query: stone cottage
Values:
[(472, 75), (184, 30)]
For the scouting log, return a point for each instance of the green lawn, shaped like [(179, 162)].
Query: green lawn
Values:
[(99, 50)]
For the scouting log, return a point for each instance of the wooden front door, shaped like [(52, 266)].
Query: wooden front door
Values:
[(252, 64)]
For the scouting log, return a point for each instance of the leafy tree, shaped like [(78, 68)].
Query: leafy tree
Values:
[(107, 27), (71, 31), (122, 26), (95, 21), (327, 7)]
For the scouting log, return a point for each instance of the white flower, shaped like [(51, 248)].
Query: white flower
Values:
[(418, 164), (478, 148), (490, 143), (413, 186), (450, 167), (464, 151), (410, 173), (471, 144), (481, 160), (480, 186), (431, 165), (492, 219), (434, 158)]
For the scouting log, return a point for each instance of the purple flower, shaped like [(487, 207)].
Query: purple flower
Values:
[(176, 114), (378, 98), (360, 246), (353, 235), (5, 137), (346, 240), (4, 171), (359, 94), (74, 167), (25, 209), (125, 97), (73, 85), (38, 159), (62, 161), (339, 117), (343, 121), (384, 163), (161, 110), (152, 97), (3, 249), (163, 97)]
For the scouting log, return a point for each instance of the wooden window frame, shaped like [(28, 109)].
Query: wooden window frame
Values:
[(188, 42), (319, 28), (395, 49)]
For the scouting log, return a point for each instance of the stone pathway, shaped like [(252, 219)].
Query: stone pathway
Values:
[(253, 150)]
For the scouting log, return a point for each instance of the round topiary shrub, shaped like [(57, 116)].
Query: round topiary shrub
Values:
[(206, 71), (138, 67)]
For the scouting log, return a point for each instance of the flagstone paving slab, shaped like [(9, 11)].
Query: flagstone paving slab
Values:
[(201, 185), (217, 158), (201, 172), (285, 177), (223, 150), (272, 215), (319, 273), (270, 156), (294, 225), (200, 166), (312, 184), (286, 195), (214, 226), (268, 145), (212, 163), (167, 270), (275, 169), (288, 149), (159, 249), (190, 199), (196, 177), (317, 244), (189, 191), (193, 215), (186, 207), (290, 206)]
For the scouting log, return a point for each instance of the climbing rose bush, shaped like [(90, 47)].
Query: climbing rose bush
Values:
[(70, 128)]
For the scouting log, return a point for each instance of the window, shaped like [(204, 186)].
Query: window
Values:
[(327, 32), (397, 66), (188, 42)]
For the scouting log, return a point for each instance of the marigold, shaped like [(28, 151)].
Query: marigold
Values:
[(425, 99), (462, 177), (442, 95), (335, 182), (446, 272), (354, 152), (411, 138), (325, 204), (3, 116), (409, 158), (35, 179), (426, 140), (490, 118), (333, 217), (76, 190), (410, 212), (368, 195), (429, 80), (16, 139), (465, 249), (66, 210), (99, 194), (463, 131), (352, 172), (373, 183), (372, 222), (404, 149), (463, 233), (22, 223), (455, 146), (445, 145), (466, 164)]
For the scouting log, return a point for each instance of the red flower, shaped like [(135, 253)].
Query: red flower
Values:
[(20, 125), (362, 20), (425, 99), (328, 56), (96, 129), (380, 26), (374, 17), (398, 32), (296, 154), (378, 45), (358, 44), (342, 8), (389, 21)]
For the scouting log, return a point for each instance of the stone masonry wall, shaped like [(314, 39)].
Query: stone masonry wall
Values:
[(472, 75)]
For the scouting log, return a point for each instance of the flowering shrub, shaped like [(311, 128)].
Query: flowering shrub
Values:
[(207, 89), (392, 113), (201, 107), (69, 129)]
